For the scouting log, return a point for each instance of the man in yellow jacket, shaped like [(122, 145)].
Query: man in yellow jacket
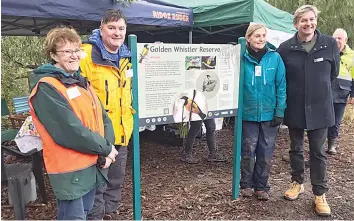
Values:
[(108, 69), (342, 87)]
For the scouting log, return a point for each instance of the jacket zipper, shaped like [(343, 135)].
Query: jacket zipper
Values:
[(119, 71), (264, 72), (307, 55), (107, 92)]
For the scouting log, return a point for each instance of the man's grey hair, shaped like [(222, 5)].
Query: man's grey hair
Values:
[(341, 31), (302, 10)]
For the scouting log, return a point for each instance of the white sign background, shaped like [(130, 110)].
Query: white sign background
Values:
[(168, 75)]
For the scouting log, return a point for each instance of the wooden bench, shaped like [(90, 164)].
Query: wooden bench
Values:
[(21, 105), (21, 111)]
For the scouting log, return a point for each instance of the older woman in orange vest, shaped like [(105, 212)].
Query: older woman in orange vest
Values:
[(73, 126)]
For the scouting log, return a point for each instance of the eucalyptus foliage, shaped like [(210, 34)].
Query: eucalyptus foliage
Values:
[(19, 55), (333, 14)]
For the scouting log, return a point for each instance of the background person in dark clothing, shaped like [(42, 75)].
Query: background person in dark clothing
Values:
[(312, 62), (342, 87), (195, 127)]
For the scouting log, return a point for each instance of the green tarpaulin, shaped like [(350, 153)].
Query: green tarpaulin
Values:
[(228, 12)]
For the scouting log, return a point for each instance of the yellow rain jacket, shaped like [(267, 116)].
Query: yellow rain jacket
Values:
[(113, 87)]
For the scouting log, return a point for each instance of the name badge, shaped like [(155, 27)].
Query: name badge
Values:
[(258, 71), (73, 92), (129, 73), (318, 60)]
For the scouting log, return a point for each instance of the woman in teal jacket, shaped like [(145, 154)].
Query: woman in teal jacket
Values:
[(264, 105)]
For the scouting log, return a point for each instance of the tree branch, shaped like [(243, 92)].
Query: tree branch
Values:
[(31, 66)]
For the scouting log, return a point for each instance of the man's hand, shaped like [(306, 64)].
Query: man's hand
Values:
[(351, 100), (113, 154), (108, 163), (276, 121)]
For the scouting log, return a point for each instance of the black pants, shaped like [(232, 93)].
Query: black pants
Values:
[(193, 132), (339, 109), (318, 159)]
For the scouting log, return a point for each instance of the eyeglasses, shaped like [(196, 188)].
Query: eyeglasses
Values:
[(69, 53)]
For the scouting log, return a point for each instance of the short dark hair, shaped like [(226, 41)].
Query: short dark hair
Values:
[(113, 15)]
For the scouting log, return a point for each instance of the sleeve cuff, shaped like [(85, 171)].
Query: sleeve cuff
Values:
[(108, 148), (279, 113)]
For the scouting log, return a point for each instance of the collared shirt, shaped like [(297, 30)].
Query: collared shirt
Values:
[(308, 45)]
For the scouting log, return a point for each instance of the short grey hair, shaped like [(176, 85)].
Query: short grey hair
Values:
[(302, 10), (342, 31)]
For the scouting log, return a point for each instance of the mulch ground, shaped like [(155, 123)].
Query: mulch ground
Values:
[(171, 189)]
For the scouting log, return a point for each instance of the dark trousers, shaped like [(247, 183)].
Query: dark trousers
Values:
[(193, 132), (258, 141), (76, 209), (339, 109), (107, 198), (318, 159)]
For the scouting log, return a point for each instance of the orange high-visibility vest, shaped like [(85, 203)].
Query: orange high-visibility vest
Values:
[(87, 108)]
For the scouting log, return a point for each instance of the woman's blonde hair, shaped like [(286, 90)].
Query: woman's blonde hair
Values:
[(59, 36), (254, 27)]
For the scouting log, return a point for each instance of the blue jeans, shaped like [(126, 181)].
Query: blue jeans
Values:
[(258, 141), (339, 109), (76, 209)]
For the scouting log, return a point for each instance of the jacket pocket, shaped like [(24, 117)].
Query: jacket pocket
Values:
[(342, 93), (77, 178), (107, 91), (111, 95), (347, 88), (270, 75)]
